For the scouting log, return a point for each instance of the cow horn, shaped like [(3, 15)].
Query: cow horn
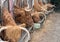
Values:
[(28, 38)]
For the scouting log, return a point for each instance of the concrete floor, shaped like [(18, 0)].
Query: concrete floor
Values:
[(50, 32)]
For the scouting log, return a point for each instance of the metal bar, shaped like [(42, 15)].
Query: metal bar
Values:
[(24, 35), (11, 6)]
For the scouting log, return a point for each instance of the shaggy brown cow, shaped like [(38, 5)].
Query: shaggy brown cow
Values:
[(13, 33), (38, 7), (22, 16)]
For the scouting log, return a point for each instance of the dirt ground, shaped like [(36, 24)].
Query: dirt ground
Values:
[(50, 32)]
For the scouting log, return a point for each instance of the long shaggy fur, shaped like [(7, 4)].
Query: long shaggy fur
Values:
[(12, 34), (22, 16), (7, 18)]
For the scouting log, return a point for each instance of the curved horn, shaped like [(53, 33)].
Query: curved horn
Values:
[(27, 9), (43, 18), (43, 14), (28, 38), (2, 28)]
